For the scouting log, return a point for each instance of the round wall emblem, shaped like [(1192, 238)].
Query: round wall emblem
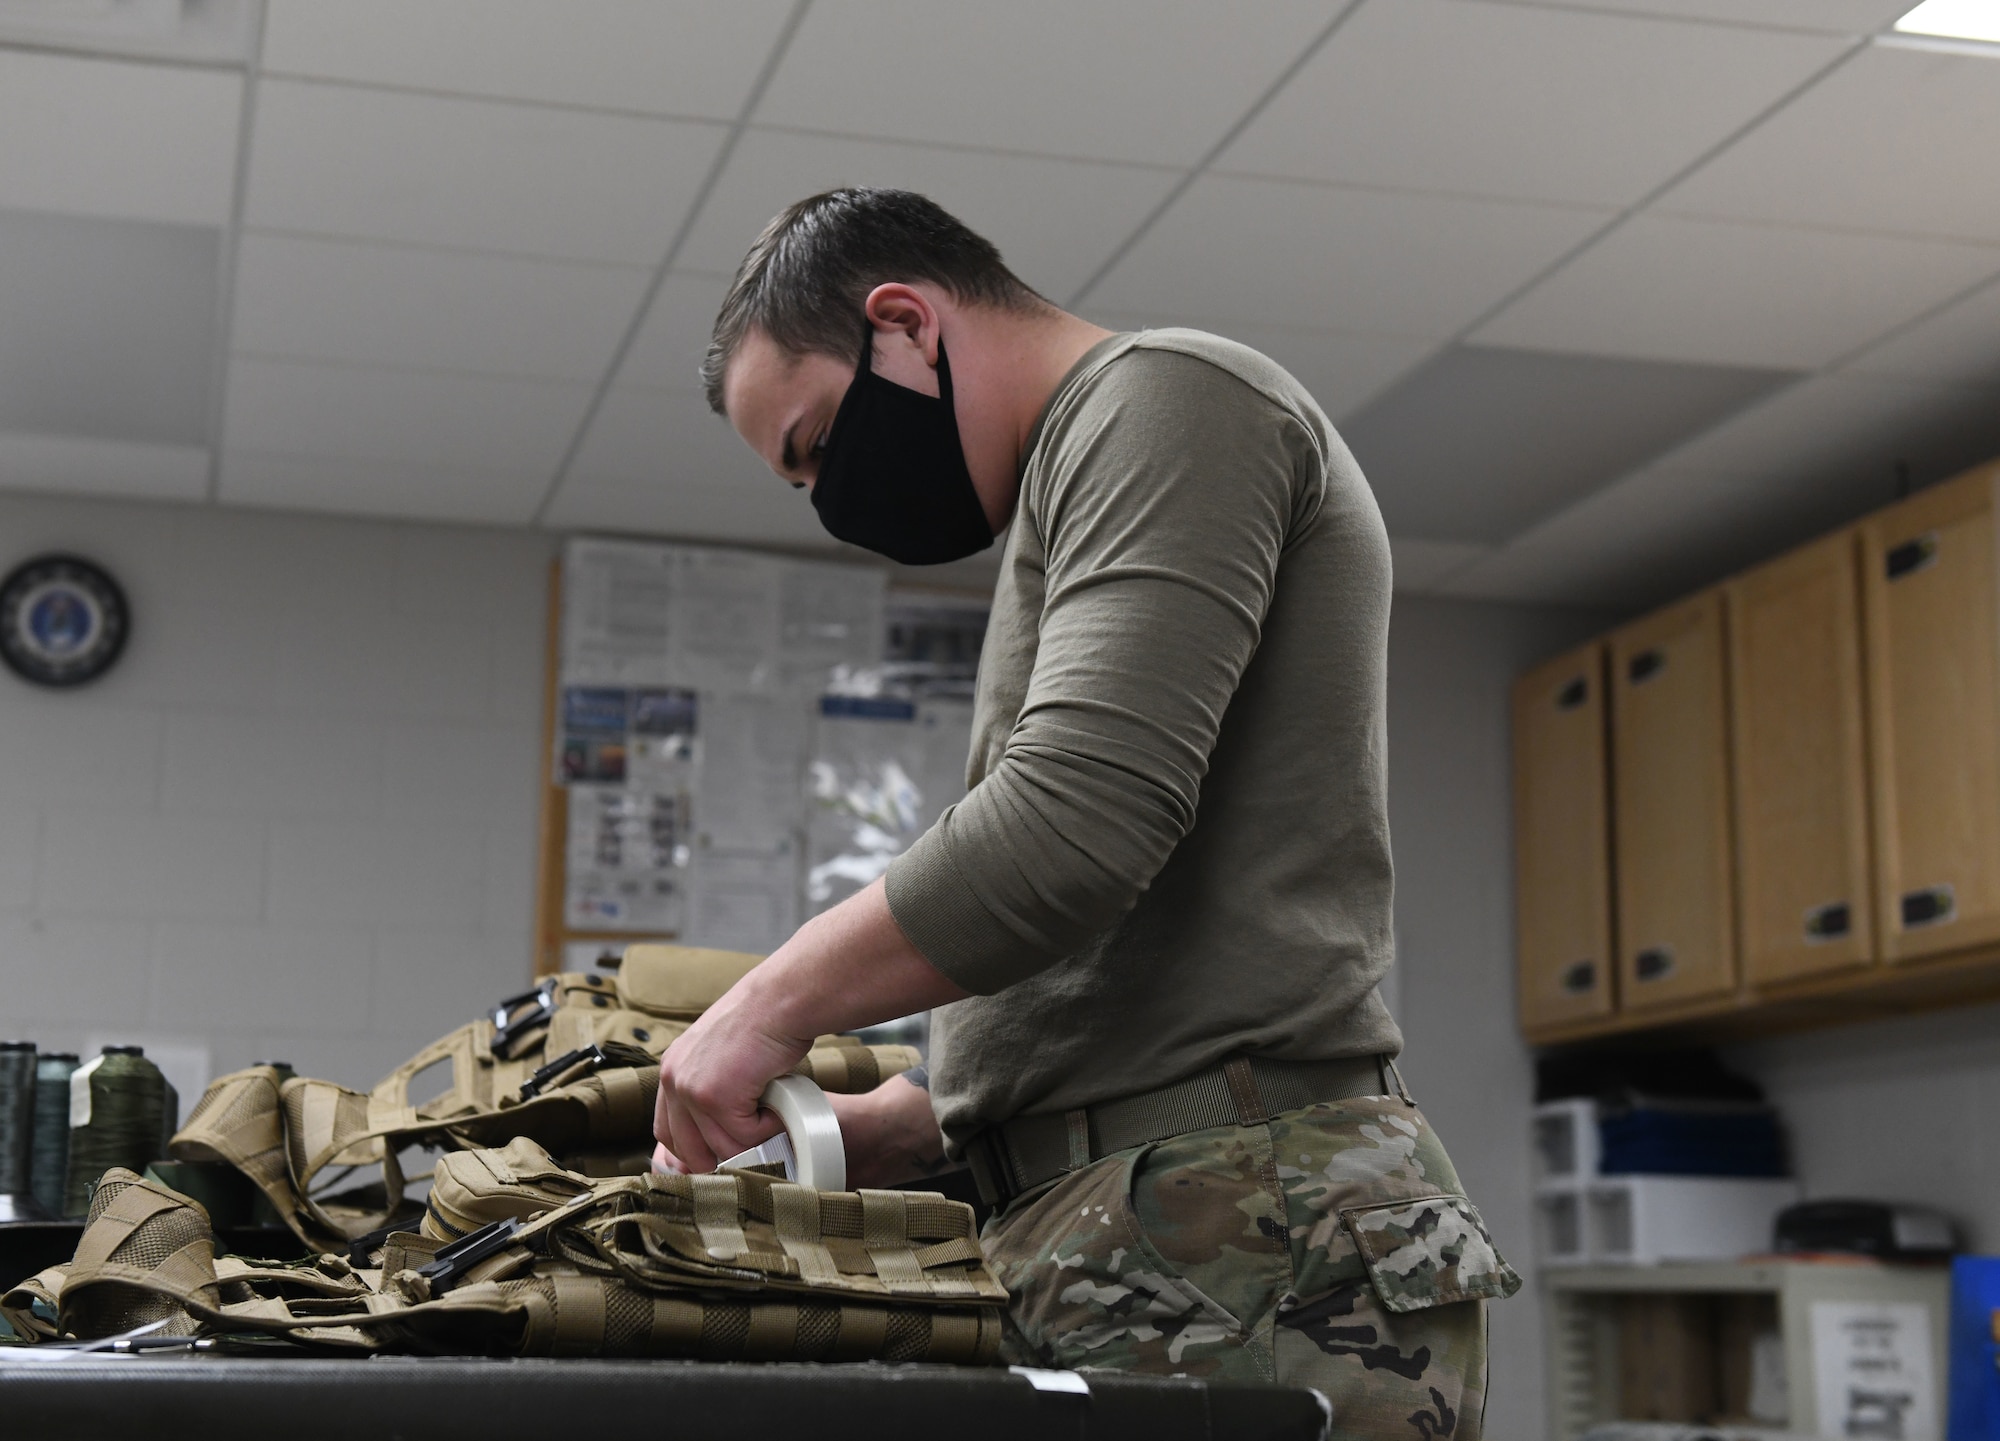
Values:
[(63, 620)]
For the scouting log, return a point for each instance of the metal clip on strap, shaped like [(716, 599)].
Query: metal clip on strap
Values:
[(588, 1057), (453, 1261), (509, 1028)]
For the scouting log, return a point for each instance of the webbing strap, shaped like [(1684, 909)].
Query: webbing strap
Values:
[(863, 1332), (795, 1217), (579, 1313), (885, 1232), (774, 1330), (676, 1321), (628, 1100), (717, 1218), (130, 1209)]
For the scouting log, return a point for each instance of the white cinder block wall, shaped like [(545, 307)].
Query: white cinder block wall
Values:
[(298, 820)]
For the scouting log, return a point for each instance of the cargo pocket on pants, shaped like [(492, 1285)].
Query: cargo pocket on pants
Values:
[(1429, 1252)]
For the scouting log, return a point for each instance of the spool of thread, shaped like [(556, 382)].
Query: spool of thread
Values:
[(17, 1114), (117, 1105), (48, 1154)]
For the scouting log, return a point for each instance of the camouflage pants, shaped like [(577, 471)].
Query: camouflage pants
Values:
[(1329, 1247)]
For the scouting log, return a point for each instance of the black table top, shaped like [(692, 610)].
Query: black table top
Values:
[(388, 1398)]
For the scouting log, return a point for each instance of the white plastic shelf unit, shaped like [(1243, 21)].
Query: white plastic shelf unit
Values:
[(1582, 1316)]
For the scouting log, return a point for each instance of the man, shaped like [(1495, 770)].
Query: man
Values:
[(1156, 922)]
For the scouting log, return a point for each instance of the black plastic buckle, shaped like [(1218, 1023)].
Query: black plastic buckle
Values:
[(509, 1028), (589, 1057), (453, 1261)]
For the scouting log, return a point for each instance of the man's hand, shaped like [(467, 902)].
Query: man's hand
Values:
[(848, 968)]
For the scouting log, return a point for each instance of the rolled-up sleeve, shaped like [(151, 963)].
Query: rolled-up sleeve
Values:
[(1163, 510)]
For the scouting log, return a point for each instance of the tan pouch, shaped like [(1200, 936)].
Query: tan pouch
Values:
[(471, 1189)]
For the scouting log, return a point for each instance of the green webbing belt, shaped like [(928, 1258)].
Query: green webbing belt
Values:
[(1015, 1157)]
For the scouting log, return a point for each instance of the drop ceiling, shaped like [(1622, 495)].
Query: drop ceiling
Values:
[(1607, 297)]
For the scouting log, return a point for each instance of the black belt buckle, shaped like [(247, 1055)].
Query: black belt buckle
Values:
[(508, 1028), (453, 1261), (988, 1163)]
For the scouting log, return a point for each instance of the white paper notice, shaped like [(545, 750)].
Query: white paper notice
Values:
[(1874, 1374), (617, 613), (752, 767), (829, 615), (726, 618), (744, 901)]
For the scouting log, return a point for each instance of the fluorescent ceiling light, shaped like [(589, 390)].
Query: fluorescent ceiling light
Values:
[(1955, 20)]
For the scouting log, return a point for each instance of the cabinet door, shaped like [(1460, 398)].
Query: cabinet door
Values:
[(1670, 807), (1934, 716), (1562, 840), (1797, 744)]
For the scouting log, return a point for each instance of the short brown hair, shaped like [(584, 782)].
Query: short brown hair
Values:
[(806, 277)]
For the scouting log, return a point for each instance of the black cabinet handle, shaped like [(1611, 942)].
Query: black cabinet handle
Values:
[(1653, 963), (1829, 922), (1579, 977), (1573, 695), (1910, 556), (1645, 665), (1931, 906)]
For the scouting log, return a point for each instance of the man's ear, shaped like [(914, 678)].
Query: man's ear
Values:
[(901, 314)]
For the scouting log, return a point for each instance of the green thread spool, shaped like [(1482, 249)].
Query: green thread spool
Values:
[(48, 1152), (17, 1111), (117, 1107)]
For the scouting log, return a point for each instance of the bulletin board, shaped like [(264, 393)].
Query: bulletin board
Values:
[(736, 740)]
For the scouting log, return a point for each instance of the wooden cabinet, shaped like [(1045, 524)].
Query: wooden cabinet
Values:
[(1934, 708), (1562, 837), (1797, 746), (1801, 770), (1670, 807)]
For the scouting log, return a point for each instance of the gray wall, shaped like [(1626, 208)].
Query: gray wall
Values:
[(298, 819), (1905, 1109), (1451, 664)]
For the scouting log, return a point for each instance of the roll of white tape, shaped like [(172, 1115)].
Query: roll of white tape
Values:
[(815, 1131)]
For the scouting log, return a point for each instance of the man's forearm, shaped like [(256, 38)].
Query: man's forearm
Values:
[(847, 968)]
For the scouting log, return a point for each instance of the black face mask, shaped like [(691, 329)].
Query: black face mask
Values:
[(892, 477)]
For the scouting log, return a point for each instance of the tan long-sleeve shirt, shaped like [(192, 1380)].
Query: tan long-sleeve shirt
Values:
[(1176, 844)]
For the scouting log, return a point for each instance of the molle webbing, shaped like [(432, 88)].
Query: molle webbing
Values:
[(571, 1064), (730, 1267)]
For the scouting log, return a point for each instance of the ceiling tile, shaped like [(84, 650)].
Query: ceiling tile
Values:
[(1420, 565), (667, 352), (1962, 343), (430, 309), (1849, 425), (1519, 102), (1844, 17), (1482, 442), (138, 142), (1054, 220), (74, 466), (674, 57), (1114, 80), (1891, 141), (1343, 370), (518, 179), (107, 327), (426, 492), (1667, 288), (1336, 257), (285, 407), (1803, 462)]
